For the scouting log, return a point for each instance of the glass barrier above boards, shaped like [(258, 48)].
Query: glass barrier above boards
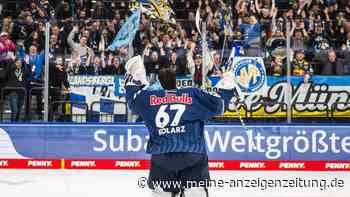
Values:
[(259, 45)]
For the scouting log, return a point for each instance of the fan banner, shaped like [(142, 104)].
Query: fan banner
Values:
[(321, 97)]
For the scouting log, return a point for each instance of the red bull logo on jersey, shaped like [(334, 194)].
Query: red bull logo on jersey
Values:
[(170, 98)]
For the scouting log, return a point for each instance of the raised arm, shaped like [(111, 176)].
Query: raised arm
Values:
[(273, 8), (189, 58), (239, 6), (274, 15), (71, 35), (293, 28), (135, 81), (257, 6), (207, 105)]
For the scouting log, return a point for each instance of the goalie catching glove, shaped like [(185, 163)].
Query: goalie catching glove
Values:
[(135, 72)]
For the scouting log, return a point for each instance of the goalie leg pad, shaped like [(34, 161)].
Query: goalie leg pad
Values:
[(195, 192), (159, 192)]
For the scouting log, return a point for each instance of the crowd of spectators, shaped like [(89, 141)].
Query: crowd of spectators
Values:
[(81, 31)]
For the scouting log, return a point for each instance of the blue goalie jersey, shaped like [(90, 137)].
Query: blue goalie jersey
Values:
[(174, 118)]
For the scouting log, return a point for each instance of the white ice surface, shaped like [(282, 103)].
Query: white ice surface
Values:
[(88, 183), (7, 150)]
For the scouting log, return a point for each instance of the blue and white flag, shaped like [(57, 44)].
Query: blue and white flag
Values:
[(127, 33)]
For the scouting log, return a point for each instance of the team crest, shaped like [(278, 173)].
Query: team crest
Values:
[(250, 75)]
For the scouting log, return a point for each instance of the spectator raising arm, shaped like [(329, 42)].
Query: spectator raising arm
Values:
[(71, 35), (86, 53)]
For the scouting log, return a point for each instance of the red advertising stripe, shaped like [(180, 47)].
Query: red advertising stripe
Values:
[(30, 164), (144, 165)]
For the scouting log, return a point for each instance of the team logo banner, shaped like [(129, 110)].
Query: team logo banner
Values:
[(249, 74)]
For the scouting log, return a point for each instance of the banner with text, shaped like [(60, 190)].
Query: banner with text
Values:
[(322, 97), (277, 147)]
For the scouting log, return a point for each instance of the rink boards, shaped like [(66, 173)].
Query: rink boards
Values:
[(104, 160), (122, 147)]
